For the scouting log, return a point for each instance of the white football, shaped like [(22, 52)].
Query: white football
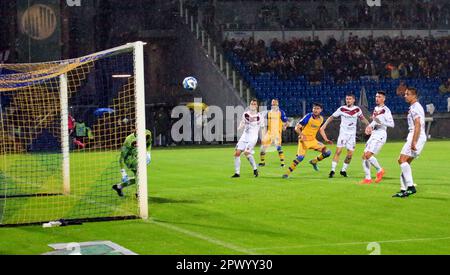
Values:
[(190, 83)]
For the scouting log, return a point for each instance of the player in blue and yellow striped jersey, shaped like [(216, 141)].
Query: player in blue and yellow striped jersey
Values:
[(307, 129), (276, 124)]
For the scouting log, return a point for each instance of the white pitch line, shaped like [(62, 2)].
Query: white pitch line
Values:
[(437, 193), (351, 243), (201, 237)]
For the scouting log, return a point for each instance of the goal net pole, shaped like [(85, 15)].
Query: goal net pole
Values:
[(140, 128), (64, 102)]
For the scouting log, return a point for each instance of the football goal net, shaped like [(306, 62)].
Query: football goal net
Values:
[(62, 126)]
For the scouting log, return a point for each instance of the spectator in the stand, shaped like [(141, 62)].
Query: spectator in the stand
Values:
[(444, 88), (275, 45), (410, 70), (401, 89), (268, 15), (403, 71), (322, 19), (395, 74), (445, 15), (434, 15), (399, 17), (393, 71), (293, 19)]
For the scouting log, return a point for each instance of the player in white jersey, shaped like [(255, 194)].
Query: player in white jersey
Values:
[(414, 143), (377, 129), (251, 122), (349, 115)]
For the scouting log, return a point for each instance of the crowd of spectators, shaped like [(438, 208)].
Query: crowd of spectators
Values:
[(414, 14), (356, 14), (382, 57)]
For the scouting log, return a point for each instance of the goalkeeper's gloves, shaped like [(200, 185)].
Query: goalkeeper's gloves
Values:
[(124, 175)]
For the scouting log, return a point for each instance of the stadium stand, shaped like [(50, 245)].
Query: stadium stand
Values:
[(350, 14), (301, 69)]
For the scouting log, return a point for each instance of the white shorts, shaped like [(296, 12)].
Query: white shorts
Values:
[(246, 146), (374, 145), (406, 150), (347, 140)]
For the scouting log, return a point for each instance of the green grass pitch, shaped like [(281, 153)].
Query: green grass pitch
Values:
[(196, 208)]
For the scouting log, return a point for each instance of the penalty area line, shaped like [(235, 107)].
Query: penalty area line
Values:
[(201, 237)]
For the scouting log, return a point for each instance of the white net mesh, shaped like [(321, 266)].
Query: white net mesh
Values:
[(101, 100)]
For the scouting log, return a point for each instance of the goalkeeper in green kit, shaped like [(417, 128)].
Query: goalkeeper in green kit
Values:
[(128, 158)]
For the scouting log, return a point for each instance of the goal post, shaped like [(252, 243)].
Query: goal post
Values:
[(53, 167), (140, 128), (65, 129)]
